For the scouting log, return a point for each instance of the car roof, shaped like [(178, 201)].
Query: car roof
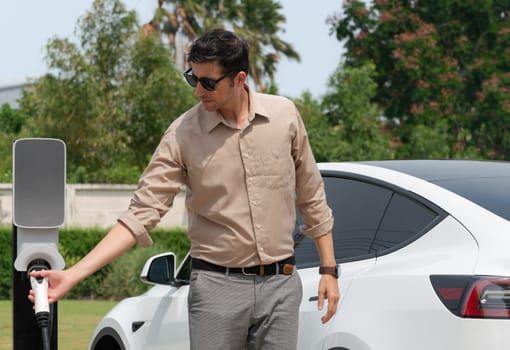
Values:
[(451, 169), (486, 183)]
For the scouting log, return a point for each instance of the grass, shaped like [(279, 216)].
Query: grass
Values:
[(76, 322)]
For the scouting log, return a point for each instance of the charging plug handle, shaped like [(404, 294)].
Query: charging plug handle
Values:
[(40, 288)]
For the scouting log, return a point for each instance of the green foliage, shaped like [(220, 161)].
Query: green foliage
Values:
[(110, 97), (426, 142), (155, 93), (123, 276), (440, 64), (11, 120), (257, 21), (346, 125), (76, 243), (349, 105), (6, 141), (322, 135), (5, 263)]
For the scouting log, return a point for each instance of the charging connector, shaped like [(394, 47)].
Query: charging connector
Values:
[(42, 308)]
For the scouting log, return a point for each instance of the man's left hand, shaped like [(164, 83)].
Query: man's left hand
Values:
[(328, 289)]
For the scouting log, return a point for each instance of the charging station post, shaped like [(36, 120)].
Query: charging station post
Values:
[(39, 173)]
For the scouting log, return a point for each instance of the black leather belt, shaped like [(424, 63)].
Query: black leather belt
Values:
[(284, 267)]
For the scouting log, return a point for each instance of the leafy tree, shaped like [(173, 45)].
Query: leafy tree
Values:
[(346, 125), (324, 139), (6, 141), (11, 123), (439, 63), (11, 120), (110, 97), (154, 94), (360, 123), (257, 21), (426, 142)]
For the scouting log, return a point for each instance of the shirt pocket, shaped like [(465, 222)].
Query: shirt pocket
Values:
[(274, 170)]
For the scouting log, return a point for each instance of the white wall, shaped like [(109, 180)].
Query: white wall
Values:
[(96, 206)]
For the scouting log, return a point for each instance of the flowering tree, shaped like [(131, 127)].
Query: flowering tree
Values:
[(442, 66)]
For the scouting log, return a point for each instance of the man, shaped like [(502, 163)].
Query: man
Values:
[(246, 161)]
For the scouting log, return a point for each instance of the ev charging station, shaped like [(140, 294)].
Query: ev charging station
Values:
[(39, 180)]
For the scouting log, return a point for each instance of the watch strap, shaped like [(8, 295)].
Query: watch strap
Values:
[(329, 270)]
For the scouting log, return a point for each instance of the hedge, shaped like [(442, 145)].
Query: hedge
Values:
[(113, 282)]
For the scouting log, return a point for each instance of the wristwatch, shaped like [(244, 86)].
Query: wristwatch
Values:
[(329, 270)]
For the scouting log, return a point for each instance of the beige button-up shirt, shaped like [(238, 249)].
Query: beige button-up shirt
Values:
[(242, 184)]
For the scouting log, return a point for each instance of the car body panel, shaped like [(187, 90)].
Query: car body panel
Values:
[(168, 328), (310, 316), (163, 311), (393, 277), (387, 299)]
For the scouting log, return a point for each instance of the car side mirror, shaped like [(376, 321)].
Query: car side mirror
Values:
[(159, 269)]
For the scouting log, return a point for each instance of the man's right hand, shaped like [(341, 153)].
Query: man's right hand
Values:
[(60, 282)]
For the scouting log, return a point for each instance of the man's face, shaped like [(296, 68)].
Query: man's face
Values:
[(214, 87)]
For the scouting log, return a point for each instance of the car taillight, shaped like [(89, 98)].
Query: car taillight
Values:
[(474, 296)]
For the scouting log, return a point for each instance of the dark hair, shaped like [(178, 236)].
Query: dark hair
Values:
[(221, 46)]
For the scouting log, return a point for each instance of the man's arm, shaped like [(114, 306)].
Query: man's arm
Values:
[(328, 285), (113, 245)]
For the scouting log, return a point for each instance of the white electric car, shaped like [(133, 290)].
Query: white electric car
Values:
[(424, 252)]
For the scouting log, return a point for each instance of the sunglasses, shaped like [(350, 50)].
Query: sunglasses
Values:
[(207, 83)]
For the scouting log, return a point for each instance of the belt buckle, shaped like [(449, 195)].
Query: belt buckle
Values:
[(288, 269), (250, 274)]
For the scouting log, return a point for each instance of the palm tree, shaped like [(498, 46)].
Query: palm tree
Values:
[(257, 21)]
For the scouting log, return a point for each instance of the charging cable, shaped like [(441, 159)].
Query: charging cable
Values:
[(42, 308)]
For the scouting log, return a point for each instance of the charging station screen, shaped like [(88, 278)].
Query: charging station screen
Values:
[(39, 178)]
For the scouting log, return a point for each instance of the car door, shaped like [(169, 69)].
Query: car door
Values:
[(372, 218), (169, 328), (358, 208)]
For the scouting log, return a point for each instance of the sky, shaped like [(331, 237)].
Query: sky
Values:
[(26, 27)]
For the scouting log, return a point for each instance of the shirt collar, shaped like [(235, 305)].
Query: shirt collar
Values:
[(257, 109)]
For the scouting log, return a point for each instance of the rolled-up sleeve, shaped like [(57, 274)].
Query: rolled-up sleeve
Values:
[(137, 229)]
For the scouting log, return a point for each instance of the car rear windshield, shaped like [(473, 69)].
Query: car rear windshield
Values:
[(491, 193), (486, 183)]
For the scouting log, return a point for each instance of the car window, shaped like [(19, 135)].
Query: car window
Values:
[(370, 219), (403, 220), (357, 208)]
